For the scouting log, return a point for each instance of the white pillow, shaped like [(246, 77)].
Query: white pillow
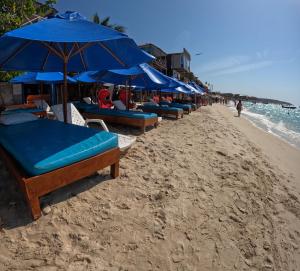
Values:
[(119, 105), (17, 118)]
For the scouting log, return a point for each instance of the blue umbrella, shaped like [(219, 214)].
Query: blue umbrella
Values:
[(68, 42), (42, 77), (141, 76), (197, 87), (38, 77)]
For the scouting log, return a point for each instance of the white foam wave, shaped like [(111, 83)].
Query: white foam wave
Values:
[(279, 129)]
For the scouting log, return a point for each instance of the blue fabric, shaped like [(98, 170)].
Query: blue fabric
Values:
[(26, 48), (44, 145), (38, 77), (143, 76), (162, 107), (94, 109), (196, 86), (22, 110), (178, 105)]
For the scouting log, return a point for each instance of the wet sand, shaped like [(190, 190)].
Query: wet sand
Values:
[(199, 193)]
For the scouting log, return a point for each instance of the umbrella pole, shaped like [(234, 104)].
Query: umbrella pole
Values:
[(126, 92), (65, 98)]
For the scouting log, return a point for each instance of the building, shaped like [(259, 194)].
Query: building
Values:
[(160, 63), (179, 65)]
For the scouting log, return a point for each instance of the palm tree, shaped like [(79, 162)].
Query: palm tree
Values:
[(106, 22)]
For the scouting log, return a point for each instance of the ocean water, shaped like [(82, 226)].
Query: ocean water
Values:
[(281, 122)]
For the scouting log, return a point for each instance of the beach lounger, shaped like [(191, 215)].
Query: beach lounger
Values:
[(45, 155), (124, 141), (125, 117), (35, 111), (186, 107), (162, 110), (42, 104)]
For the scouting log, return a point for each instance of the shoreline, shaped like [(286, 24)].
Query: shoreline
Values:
[(283, 154), (262, 129)]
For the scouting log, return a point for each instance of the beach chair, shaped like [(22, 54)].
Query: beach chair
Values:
[(74, 117), (45, 155), (42, 104), (124, 117), (121, 106), (185, 107)]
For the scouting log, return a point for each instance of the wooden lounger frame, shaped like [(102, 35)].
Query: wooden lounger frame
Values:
[(187, 111), (162, 112), (134, 122), (37, 186)]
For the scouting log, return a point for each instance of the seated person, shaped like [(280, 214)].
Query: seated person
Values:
[(103, 97), (169, 99), (155, 99), (123, 98)]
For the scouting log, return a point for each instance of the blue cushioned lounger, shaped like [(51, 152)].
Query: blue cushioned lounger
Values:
[(44, 145), (23, 110), (125, 117), (162, 110), (162, 107), (91, 108), (185, 107)]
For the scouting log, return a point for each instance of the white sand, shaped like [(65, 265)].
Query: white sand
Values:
[(199, 193)]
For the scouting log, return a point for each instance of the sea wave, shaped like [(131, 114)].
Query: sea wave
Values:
[(277, 128)]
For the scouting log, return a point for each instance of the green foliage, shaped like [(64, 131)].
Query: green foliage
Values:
[(106, 22), (96, 18), (14, 13)]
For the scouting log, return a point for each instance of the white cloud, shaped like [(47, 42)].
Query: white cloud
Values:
[(245, 67), (236, 64), (224, 63)]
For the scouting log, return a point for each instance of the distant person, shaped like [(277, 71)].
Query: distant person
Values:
[(239, 108)]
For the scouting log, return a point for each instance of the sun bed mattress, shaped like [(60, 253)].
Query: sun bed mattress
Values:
[(44, 145), (165, 108), (94, 109), (23, 110), (178, 105)]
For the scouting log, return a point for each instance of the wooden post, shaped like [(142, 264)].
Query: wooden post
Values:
[(126, 92), (65, 92)]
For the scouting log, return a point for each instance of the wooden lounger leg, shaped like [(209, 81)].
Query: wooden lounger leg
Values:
[(34, 205), (114, 170)]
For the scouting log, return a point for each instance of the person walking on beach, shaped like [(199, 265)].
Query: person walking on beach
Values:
[(239, 108)]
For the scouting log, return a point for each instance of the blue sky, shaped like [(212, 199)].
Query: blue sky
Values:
[(249, 46)]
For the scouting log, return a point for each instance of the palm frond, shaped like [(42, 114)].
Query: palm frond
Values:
[(105, 21), (119, 28)]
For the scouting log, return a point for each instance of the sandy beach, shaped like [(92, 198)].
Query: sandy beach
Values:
[(206, 192)]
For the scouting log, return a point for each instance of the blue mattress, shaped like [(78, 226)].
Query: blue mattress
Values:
[(178, 105), (94, 109), (162, 107), (44, 145), (25, 110)]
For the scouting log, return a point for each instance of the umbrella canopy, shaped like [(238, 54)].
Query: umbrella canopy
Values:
[(68, 42), (197, 87), (38, 77), (141, 76)]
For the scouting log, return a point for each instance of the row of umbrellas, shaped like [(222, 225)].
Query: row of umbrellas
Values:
[(142, 76), (70, 43)]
